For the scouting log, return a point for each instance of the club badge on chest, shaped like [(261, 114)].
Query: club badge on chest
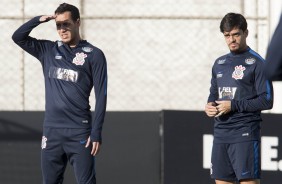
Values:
[(79, 58), (238, 72)]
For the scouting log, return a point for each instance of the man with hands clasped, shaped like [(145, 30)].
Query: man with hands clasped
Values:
[(239, 92)]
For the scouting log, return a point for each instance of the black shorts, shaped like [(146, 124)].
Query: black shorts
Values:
[(236, 161)]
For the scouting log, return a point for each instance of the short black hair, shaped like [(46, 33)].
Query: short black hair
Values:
[(75, 15), (233, 20)]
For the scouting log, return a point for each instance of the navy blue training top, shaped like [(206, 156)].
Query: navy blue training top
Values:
[(70, 74), (274, 55), (240, 78)]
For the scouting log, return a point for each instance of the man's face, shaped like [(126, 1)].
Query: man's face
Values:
[(236, 39), (67, 29)]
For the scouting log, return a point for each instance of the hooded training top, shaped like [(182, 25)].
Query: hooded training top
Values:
[(240, 79), (70, 74)]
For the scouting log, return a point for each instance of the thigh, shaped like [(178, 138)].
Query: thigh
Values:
[(224, 182), (53, 158), (246, 160), (256, 181), (221, 167), (80, 157)]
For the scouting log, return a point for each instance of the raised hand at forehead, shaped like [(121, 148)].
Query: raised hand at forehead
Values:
[(46, 18)]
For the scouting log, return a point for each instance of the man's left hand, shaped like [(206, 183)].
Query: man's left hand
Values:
[(223, 107), (95, 147)]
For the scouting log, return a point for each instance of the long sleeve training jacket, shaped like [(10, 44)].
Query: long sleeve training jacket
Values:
[(70, 74), (240, 78), (274, 55)]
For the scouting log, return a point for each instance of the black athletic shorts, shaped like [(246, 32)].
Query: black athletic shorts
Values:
[(236, 161)]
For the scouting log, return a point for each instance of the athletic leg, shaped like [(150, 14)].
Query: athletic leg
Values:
[(53, 158), (221, 167), (84, 168), (223, 182), (246, 162), (250, 181), (80, 157)]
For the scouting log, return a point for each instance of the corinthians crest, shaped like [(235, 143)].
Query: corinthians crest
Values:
[(44, 142), (79, 58), (238, 72)]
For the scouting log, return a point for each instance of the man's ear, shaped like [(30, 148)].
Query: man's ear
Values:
[(246, 32), (78, 22)]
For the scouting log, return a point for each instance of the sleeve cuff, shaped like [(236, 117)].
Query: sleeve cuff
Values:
[(233, 106), (96, 136)]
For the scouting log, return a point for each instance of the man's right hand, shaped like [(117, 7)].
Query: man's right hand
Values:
[(211, 109), (46, 18)]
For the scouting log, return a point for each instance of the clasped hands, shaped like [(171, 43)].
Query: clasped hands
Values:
[(217, 108)]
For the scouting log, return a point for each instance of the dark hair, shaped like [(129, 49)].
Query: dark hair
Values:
[(233, 20), (68, 7)]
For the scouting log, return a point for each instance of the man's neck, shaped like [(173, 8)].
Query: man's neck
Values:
[(75, 42), (241, 50)]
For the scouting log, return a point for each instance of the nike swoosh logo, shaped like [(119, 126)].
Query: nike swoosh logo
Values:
[(245, 173), (83, 141)]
